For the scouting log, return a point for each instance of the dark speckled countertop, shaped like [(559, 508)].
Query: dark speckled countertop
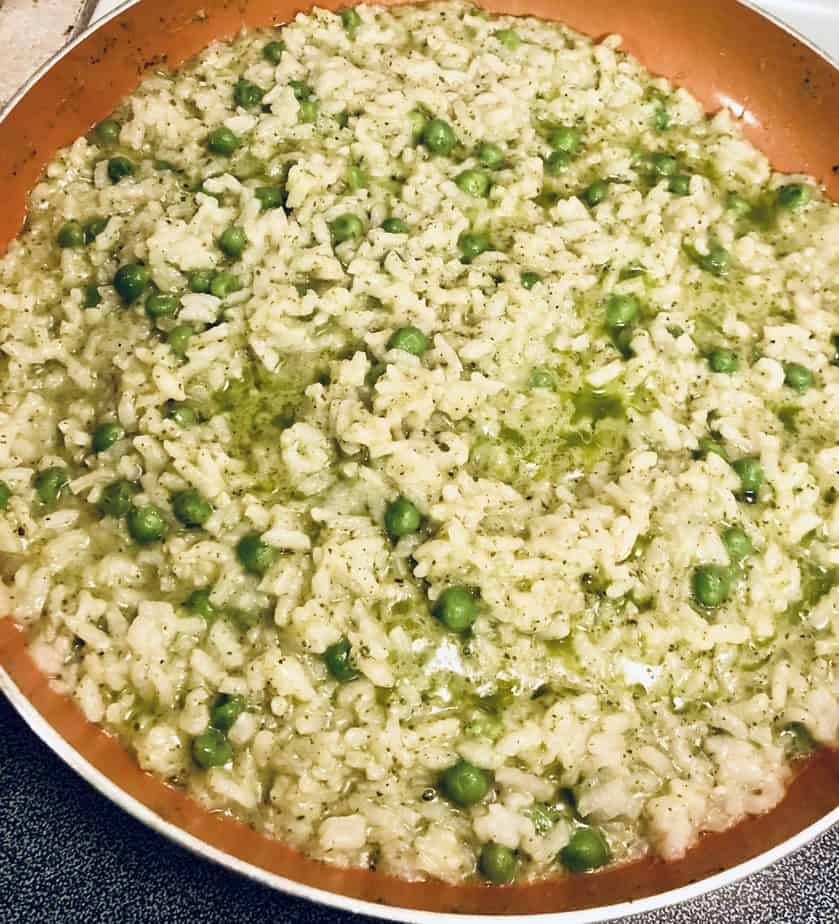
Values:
[(69, 855)]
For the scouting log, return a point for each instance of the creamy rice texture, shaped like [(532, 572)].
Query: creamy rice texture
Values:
[(613, 433)]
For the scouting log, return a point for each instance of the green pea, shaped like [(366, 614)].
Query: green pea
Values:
[(199, 280), (707, 446), (130, 281), (246, 94), (273, 52), (711, 585), (233, 241), (456, 608), (751, 477), (662, 165), (410, 339), (586, 850), (70, 235), (395, 226), (530, 279), (191, 508), (255, 555), (556, 162), (225, 710), (797, 377), (107, 131), (717, 261), (473, 182), (346, 228), (224, 284), (118, 498), (350, 20), (679, 184), (418, 121), (544, 817), (342, 118), (270, 197), (737, 205), (211, 749), (497, 864), (91, 295), (622, 310), (356, 177), (338, 662), (308, 111), (621, 338), (49, 483), (439, 137), (94, 227), (178, 338), (542, 378), (472, 244), (222, 141), (161, 305), (793, 196), (661, 119), (509, 38), (595, 193), (182, 414), (302, 91), (119, 168), (565, 138), (798, 738), (484, 725), (737, 543), (464, 783), (198, 602), (146, 524), (402, 518), (105, 435), (723, 361), (490, 155)]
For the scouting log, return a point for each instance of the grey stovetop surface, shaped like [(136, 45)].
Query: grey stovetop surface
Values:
[(69, 855)]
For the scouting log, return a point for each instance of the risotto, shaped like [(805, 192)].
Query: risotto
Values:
[(418, 440)]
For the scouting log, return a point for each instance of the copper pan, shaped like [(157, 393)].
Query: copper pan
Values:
[(726, 55)]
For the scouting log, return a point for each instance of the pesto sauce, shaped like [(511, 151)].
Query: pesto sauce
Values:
[(596, 405), (555, 435), (259, 406), (816, 582)]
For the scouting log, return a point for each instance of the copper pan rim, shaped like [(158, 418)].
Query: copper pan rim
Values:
[(143, 813)]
